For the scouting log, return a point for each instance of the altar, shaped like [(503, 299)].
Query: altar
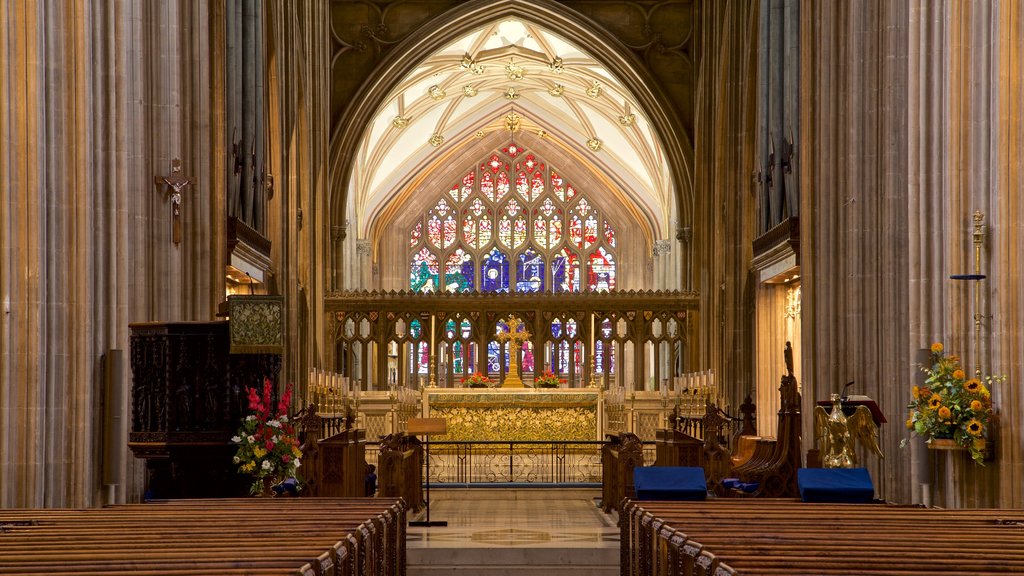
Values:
[(516, 414)]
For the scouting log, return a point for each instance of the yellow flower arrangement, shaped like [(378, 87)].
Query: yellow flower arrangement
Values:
[(951, 406)]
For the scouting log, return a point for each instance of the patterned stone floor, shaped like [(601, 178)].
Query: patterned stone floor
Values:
[(506, 531)]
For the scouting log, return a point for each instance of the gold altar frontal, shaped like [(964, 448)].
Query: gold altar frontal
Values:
[(489, 414)]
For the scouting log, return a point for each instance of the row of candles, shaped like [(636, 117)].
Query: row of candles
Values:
[(691, 392), (331, 392)]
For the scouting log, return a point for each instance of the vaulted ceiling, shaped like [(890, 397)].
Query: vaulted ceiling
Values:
[(505, 79)]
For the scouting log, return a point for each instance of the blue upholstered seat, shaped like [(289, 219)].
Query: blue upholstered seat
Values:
[(670, 483), (846, 485)]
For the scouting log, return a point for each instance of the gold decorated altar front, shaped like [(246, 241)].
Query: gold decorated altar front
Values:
[(486, 414)]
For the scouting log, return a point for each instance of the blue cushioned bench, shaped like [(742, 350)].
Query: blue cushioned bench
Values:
[(670, 483), (843, 485)]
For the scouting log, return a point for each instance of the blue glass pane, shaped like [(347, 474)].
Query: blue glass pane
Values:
[(414, 329), (598, 356), (449, 328), (565, 272), (556, 328), (494, 272), (459, 272), (423, 271), (493, 354), (530, 272)]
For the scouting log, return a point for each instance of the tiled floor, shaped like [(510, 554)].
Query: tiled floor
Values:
[(506, 531)]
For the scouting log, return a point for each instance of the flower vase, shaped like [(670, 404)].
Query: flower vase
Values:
[(268, 487)]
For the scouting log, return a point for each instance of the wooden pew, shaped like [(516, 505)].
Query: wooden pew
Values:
[(308, 536), (722, 537), (619, 456), (400, 473)]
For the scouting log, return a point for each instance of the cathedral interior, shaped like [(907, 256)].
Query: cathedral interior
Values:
[(659, 189)]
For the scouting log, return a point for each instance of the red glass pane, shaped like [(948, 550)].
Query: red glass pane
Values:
[(556, 186), (414, 236), (485, 232), (449, 231), (522, 186), (519, 232), (487, 186), (576, 231), (540, 232), (434, 231), (590, 232), (502, 186), (505, 231), (556, 231), (537, 186)]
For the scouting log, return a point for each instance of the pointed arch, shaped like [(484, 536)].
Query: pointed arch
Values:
[(430, 38)]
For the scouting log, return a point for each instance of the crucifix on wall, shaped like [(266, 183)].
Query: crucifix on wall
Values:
[(177, 182)]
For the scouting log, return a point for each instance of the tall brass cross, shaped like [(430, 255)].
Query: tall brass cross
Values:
[(177, 182), (514, 338)]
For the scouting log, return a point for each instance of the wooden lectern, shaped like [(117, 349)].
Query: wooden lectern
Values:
[(425, 427)]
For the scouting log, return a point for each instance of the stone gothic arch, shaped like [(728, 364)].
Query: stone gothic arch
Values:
[(399, 60)]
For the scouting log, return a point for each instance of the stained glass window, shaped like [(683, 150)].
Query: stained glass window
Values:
[(547, 207), (494, 272), (530, 272), (477, 206), (537, 185), (522, 186), (459, 272), (505, 231), (556, 231), (513, 197), (442, 207), (527, 363), (502, 185), (565, 272), (589, 231), (484, 238), (540, 232), (414, 236), (457, 354), (576, 231), (449, 231), (487, 186), (434, 231), (469, 231), (493, 357), (424, 357), (423, 271), (556, 186), (519, 232), (601, 276)]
